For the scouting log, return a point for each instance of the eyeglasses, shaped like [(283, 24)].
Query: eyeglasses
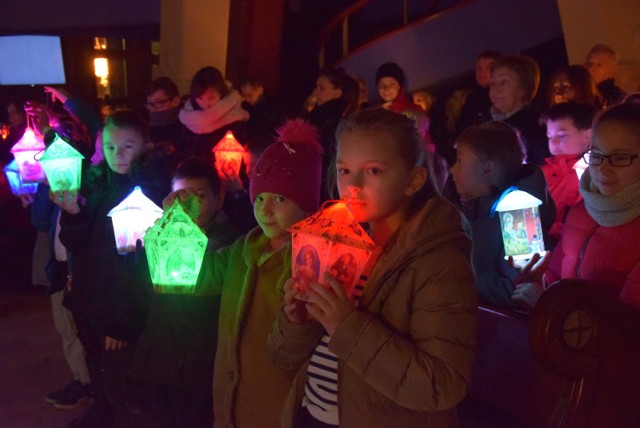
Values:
[(156, 104), (596, 159)]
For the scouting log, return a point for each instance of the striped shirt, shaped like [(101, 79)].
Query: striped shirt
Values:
[(321, 388)]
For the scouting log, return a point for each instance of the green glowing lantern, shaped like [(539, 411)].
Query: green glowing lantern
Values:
[(521, 227), (175, 247), (63, 166), (132, 218), (329, 241), (25, 151)]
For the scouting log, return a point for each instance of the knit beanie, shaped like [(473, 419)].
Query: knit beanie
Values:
[(390, 69), (291, 166)]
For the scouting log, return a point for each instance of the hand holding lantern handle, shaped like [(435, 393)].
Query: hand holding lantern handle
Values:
[(329, 305), (182, 195), (111, 344), (230, 178), (57, 94), (38, 115), (293, 307), (530, 281), (66, 200)]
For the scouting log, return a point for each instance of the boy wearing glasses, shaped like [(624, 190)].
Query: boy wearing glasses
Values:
[(163, 104), (601, 234), (569, 135)]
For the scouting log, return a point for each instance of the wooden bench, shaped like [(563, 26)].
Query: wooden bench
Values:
[(574, 362)]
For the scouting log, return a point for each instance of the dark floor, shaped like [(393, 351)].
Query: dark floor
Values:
[(31, 362)]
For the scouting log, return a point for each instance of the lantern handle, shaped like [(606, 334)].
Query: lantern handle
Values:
[(500, 198), (324, 205)]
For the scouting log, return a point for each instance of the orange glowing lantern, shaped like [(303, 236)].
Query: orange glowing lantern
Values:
[(25, 151), (329, 241), (229, 154), (132, 218)]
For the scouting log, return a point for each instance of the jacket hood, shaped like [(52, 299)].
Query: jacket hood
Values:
[(436, 223)]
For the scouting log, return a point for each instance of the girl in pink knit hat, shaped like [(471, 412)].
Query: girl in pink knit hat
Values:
[(284, 188)]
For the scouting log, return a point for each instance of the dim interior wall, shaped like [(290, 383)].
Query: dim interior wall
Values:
[(438, 50), (613, 22), (193, 34)]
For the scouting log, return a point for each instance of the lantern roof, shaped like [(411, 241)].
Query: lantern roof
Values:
[(336, 224), (28, 142), (136, 200), (175, 223), (228, 143), (60, 149), (517, 199)]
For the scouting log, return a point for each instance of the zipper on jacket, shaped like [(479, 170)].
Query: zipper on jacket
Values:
[(582, 251)]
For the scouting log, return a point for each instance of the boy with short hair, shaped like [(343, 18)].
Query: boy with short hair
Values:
[(177, 348), (569, 134)]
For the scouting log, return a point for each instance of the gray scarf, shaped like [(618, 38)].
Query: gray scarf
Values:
[(614, 210)]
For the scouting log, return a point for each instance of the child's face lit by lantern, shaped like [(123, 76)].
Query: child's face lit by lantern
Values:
[(208, 98), (122, 146), (612, 138), (275, 213), (372, 177), (210, 203), (565, 139)]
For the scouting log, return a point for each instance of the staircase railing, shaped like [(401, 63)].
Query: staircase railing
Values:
[(430, 10)]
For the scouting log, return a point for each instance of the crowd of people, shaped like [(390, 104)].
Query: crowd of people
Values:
[(244, 349)]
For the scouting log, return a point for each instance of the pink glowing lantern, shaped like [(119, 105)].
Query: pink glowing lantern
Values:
[(132, 218), (329, 241), (25, 151), (229, 154), (17, 186), (63, 166)]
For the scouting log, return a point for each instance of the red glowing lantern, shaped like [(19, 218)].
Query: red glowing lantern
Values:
[(229, 154), (329, 241), (25, 151), (132, 218)]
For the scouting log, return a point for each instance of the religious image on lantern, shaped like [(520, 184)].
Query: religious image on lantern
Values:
[(345, 270), (306, 268), (229, 154), (520, 224), (520, 232), (25, 151)]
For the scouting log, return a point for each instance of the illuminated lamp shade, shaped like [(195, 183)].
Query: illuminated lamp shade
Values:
[(63, 166), (175, 247), (25, 151), (229, 153), (331, 241), (132, 218), (520, 223), (15, 181)]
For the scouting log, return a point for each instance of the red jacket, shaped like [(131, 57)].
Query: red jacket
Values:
[(606, 256), (563, 184)]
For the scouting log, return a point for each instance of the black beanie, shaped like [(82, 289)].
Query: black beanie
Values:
[(390, 69)]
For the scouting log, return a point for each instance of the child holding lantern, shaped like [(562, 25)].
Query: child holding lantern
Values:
[(488, 161), (599, 230), (403, 357), (177, 348), (284, 188), (109, 307)]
